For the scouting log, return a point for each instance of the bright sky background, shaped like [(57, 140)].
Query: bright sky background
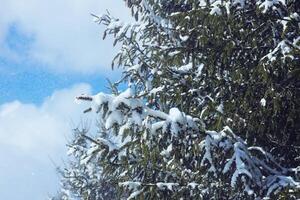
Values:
[(50, 51)]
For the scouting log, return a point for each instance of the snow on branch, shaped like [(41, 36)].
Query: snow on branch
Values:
[(128, 122)]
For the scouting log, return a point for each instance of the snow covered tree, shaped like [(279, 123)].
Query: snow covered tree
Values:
[(239, 56), (194, 68)]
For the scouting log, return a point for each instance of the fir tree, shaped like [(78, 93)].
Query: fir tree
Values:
[(194, 69)]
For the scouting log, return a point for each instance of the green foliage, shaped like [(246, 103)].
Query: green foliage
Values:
[(223, 63), (250, 54)]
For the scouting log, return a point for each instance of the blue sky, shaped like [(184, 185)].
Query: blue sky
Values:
[(50, 51)]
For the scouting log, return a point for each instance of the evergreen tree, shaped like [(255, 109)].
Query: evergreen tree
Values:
[(194, 68)]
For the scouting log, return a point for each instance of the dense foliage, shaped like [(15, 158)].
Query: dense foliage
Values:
[(194, 68)]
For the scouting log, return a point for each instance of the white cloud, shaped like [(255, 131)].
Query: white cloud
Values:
[(29, 134), (30, 128), (64, 35)]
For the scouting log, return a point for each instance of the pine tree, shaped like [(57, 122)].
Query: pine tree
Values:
[(194, 69)]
